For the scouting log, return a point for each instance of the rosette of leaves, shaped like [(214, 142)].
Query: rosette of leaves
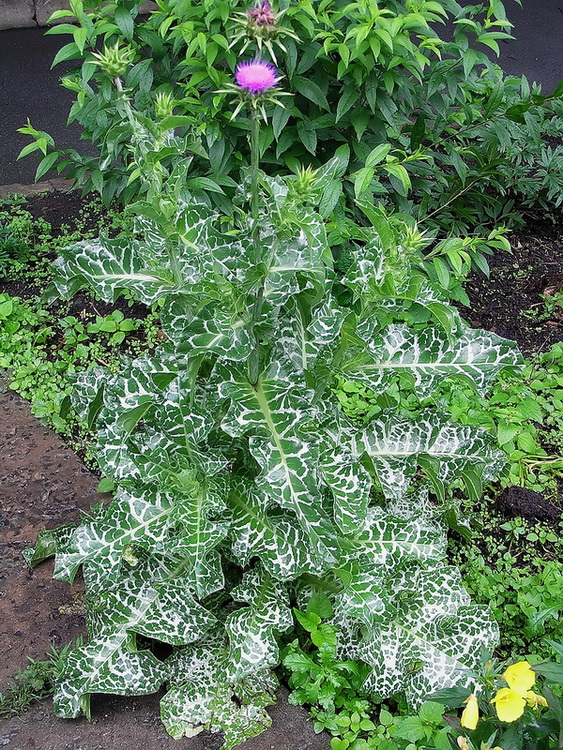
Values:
[(238, 485)]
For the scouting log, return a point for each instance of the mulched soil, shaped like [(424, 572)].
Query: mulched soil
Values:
[(512, 302)]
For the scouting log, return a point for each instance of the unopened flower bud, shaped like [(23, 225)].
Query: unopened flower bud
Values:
[(114, 60), (164, 105)]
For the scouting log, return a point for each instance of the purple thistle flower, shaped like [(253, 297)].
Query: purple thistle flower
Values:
[(256, 77)]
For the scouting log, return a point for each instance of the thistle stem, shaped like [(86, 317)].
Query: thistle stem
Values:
[(254, 189), (254, 359)]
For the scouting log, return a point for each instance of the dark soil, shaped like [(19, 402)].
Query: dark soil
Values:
[(512, 302), (62, 209), (68, 211), (516, 502)]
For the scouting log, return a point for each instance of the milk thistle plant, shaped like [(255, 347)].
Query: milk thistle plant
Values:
[(241, 486)]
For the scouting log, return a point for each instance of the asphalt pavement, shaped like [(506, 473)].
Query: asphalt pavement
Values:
[(30, 89)]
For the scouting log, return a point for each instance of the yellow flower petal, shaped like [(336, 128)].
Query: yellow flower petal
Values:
[(509, 704), (463, 744), (534, 700), (520, 677), (470, 715)]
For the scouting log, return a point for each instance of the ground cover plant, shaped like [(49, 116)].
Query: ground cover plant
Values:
[(501, 707), (42, 345)]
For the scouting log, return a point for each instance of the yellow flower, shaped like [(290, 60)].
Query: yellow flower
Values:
[(470, 715), (509, 704), (463, 744), (534, 700), (520, 677)]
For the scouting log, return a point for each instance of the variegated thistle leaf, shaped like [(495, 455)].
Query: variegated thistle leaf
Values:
[(252, 630), (350, 485), (258, 529), (297, 260), (136, 516), (430, 357), (217, 331), (201, 697), (154, 598), (48, 543), (419, 630), (105, 666), (388, 540), (274, 413), (152, 430), (199, 534), (195, 262), (110, 267), (149, 522), (367, 270), (304, 344), (396, 446)]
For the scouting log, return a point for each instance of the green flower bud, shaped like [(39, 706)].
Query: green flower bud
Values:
[(114, 60), (164, 105)]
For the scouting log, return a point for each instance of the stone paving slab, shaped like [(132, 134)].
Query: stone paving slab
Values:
[(43, 483), (15, 14), (46, 186)]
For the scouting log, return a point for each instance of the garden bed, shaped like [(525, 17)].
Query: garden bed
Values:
[(46, 485)]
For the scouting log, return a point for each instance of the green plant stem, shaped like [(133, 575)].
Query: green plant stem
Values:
[(254, 359), (254, 190)]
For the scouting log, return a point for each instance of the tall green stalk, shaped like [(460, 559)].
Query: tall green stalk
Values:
[(254, 188), (254, 359)]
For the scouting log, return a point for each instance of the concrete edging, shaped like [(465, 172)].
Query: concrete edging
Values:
[(21, 14), (58, 184)]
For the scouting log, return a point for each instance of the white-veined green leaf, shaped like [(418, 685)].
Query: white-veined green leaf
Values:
[(396, 446), (420, 630), (274, 413), (430, 357), (303, 344), (350, 485), (201, 697), (277, 540), (104, 666), (252, 630)]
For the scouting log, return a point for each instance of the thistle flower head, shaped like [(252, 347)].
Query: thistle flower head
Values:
[(262, 15), (256, 77)]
